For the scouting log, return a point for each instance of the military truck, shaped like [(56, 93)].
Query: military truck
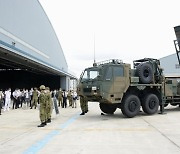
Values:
[(114, 85)]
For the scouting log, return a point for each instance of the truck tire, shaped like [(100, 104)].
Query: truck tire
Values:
[(130, 106), (107, 108), (145, 72), (150, 104)]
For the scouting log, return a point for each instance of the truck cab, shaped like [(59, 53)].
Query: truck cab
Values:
[(105, 82)]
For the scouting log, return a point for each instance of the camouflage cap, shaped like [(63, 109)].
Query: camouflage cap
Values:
[(42, 87), (47, 88)]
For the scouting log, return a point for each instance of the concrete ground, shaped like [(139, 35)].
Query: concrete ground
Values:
[(93, 133)]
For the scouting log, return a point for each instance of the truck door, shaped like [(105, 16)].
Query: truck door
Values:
[(119, 82), (107, 85)]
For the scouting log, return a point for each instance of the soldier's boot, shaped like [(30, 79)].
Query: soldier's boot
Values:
[(83, 113), (42, 124), (48, 121), (86, 111)]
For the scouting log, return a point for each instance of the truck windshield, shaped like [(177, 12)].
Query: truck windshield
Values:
[(89, 74)]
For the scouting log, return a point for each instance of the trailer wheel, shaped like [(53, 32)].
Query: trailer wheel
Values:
[(130, 106), (145, 72), (150, 104), (107, 108)]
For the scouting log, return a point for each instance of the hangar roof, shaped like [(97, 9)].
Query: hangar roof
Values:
[(28, 40)]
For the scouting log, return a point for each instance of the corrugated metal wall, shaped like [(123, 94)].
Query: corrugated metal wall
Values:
[(170, 65)]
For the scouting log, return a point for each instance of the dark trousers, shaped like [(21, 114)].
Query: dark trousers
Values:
[(0, 106), (31, 103), (18, 102), (14, 103), (64, 102), (22, 100)]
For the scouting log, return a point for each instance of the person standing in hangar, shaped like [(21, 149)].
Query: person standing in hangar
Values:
[(7, 99)]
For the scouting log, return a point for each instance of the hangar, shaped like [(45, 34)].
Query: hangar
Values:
[(170, 65), (30, 52)]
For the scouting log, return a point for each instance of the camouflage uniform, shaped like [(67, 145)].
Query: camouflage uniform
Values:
[(34, 98), (43, 105), (69, 96), (49, 105), (83, 104), (60, 97)]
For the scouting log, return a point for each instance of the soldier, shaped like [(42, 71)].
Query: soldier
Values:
[(60, 97), (49, 104), (84, 105), (34, 98), (69, 96), (43, 105)]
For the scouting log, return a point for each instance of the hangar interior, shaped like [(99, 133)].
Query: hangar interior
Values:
[(18, 72)]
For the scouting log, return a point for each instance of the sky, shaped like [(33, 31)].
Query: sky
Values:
[(113, 29)]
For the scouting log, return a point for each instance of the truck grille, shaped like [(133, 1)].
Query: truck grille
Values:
[(87, 90)]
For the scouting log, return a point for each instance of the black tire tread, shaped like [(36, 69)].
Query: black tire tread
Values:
[(145, 104), (107, 108), (125, 105), (140, 71)]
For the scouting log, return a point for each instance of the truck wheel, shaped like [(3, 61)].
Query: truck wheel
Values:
[(107, 108), (131, 106), (145, 72), (150, 104)]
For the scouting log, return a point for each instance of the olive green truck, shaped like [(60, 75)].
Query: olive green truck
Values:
[(115, 84)]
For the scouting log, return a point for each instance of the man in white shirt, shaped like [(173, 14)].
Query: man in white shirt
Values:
[(1, 99), (15, 101), (7, 99), (74, 99)]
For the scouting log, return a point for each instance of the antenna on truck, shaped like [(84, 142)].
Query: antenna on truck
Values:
[(94, 64)]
